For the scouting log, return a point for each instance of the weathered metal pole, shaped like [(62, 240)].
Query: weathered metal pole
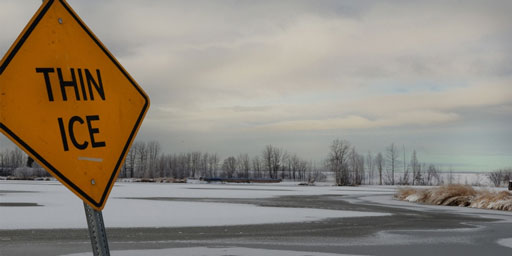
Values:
[(96, 231)]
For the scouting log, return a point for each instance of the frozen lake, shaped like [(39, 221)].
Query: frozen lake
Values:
[(155, 205), (44, 218)]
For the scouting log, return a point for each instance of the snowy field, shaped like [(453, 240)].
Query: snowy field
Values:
[(31, 205), (50, 205), (200, 251)]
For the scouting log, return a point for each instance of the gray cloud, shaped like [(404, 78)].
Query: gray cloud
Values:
[(242, 73)]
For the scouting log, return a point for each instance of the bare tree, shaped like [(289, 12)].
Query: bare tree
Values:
[(153, 150), (15, 158), (433, 177), (213, 165), (229, 167), (141, 160), (272, 160), (306, 171), (379, 162), (337, 161), (496, 177), (392, 158), (243, 166), (130, 162), (405, 175), (359, 170), (188, 170), (181, 166), (267, 159), (450, 176), (257, 167), (507, 175), (370, 166), (294, 167), (417, 178), (194, 164), (203, 165), (356, 167), (163, 167), (282, 166)]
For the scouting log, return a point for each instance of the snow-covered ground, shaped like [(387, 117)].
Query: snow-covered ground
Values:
[(507, 242), (50, 205), (195, 251), (59, 208)]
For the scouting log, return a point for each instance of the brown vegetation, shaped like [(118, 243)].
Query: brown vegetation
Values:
[(458, 195)]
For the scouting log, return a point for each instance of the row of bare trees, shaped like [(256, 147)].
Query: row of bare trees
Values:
[(15, 163), (10, 159), (346, 164), (351, 168), (145, 160), (500, 176)]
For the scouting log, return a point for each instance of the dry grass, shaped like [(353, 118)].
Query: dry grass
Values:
[(458, 195), (493, 200), (403, 193)]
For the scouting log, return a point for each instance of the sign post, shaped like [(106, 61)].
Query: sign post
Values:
[(97, 232), (69, 104)]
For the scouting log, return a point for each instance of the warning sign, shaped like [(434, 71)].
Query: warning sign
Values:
[(68, 103)]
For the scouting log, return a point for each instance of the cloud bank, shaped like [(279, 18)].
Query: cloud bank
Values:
[(243, 73)]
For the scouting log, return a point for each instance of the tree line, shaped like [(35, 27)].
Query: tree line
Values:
[(347, 166), (145, 160), (14, 162), (351, 168), (500, 177)]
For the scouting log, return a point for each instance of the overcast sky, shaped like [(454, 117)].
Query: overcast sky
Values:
[(233, 76)]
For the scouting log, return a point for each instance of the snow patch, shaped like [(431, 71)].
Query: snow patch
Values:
[(59, 208), (412, 198), (194, 251), (507, 242)]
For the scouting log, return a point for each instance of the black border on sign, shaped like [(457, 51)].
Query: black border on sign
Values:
[(22, 143)]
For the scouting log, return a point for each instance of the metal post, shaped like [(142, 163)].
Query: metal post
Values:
[(96, 231)]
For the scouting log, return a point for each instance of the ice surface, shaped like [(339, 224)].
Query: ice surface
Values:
[(507, 242), (199, 251), (59, 208)]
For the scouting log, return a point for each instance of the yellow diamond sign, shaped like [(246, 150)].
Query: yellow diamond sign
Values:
[(68, 103)]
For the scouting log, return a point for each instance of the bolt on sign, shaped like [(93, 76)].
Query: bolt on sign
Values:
[(68, 103)]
